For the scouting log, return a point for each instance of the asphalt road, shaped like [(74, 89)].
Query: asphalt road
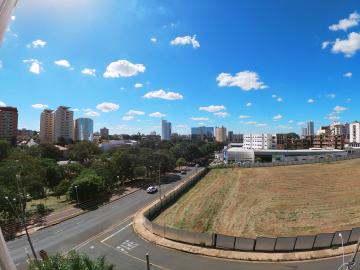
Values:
[(108, 231)]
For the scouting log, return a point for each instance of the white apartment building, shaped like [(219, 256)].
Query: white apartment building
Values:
[(355, 132), (259, 141), (47, 126), (63, 123), (220, 134)]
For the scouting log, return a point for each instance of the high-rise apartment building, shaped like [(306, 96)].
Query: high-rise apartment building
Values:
[(354, 132), (84, 129), (220, 134), (63, 124), (304, 132), (8, 124), (202, 133), (165, 130), (104, 133), (259, 141), (47, 126), (310, 128)]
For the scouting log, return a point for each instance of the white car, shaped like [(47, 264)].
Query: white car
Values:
[(151, 189)]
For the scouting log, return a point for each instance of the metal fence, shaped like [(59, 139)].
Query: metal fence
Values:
[(260, 244)]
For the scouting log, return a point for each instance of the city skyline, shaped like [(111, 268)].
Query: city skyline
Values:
[(221, 73)]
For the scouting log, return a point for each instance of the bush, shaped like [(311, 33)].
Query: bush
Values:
[(89, 186)]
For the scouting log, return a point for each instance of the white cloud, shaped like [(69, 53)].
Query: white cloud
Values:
[(186, 40), (123, 68), (251, 123), (284, 127), (35, 65), (348, 100), (39, 106), (333, 117), (138, 85), (325, 44), (107, 107), (213, 108), (128, 118), (2, 104), (347, 46), (13, 18), (199, 118), (157, 114), (133, 112), (344, 24), (62, 63), (244, 116), (249, 104), (89, 71), (277, 117), (246, 80), (291, 121), (221, 114), (310, 100), (261, 125), (331, 95), (339, 109), (279, 99), (163, 95), (37, 44), (348, 74), (301, 123), (274, 96), (75, 110), (1, 64), (153, 39), (91, 113), (181, 126)]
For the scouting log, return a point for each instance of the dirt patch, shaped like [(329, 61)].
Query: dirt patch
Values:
[(276, 201)]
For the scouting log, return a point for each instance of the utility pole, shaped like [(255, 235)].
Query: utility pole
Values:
[(6, 262), (351, 263)]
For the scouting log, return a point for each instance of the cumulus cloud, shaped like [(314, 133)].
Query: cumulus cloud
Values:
[(277, 117), (249, 104), (331, 95), (261, 125), (199, 118), (246, 80), (344, 24), (251, 123), (138, 85), (157, 114), (107, 107), (348, 75), (13, 18), (301, 123), (35, 66), (1, 64), (163, 95), (333, 117), (284, 127), (2, 104), (325, 44), (213, 108), (347, 46), (91, 113), (244, 116), (310, 100), (221, 114), (62, 63), (39, 106), (123, 68), (128, 117), (153, 39), (75, 110), (339, 109), (274, 96), (134, 112), (279, 99), (37, 44), (291, 121), (186, 40), (89, 71)]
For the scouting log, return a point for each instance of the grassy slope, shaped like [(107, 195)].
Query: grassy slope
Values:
[(278, 201)]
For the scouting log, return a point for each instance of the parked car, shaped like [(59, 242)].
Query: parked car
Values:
[(151, 189), (183, 172)]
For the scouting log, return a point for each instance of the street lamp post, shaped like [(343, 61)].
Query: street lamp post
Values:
[(77, 196)]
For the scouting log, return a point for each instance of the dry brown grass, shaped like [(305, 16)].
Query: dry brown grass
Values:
[(277, 201)]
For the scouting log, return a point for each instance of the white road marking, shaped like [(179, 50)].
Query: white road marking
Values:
[(58, 231), (115, 233), (92, 247)]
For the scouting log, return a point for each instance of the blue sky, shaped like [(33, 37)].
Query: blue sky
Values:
[(252, 66)]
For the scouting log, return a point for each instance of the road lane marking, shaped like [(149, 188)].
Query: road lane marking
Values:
[(58, 231), (115, 233)]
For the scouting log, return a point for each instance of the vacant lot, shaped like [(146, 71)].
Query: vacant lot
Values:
[(278, 201)]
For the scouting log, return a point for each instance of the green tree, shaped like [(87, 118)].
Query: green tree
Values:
[(89, 186), (84, 152), (4, 149), (73, 261), (50, 151), (180, 162)]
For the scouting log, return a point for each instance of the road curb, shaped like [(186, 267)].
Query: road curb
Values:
[(139, 228)]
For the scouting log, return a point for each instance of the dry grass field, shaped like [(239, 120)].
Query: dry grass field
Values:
[(278, 201)]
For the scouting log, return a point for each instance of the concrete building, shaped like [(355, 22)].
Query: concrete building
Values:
[(259, 141), (63, 124), (47, 126), (310, 128), (165, 130), (104, 133), (24, 134), (84, 129), (328, 140), (9, 124), (220, 134), (202, 133), (304, 132), (354, 133)]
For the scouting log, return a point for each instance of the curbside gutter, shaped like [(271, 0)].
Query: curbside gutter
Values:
[(144, 233)]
